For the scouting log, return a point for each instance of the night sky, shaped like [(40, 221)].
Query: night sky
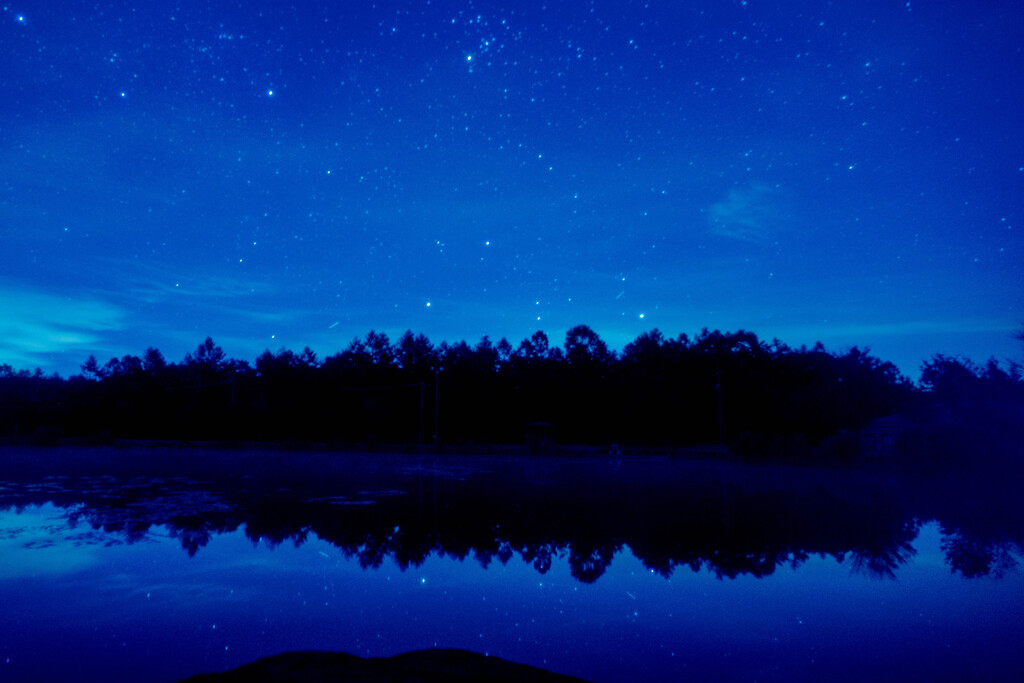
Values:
[(289, 175)]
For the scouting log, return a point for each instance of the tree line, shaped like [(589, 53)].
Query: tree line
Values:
[(717, 387)]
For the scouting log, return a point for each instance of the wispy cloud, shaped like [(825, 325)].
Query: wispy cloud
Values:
[(34, 325), (153, 282), (748, 214), (206, 287), (210, 294)]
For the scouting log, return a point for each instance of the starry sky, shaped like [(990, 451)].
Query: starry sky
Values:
[(277, 174)]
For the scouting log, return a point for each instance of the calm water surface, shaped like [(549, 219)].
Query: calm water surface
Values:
[(159, 565)]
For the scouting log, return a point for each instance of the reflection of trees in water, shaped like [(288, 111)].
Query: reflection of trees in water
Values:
[(588, 564), (973, 557), (503, 553), (191, 539), (882, 562), (540, 556), (728, 521), (372, 555), (980, 516)]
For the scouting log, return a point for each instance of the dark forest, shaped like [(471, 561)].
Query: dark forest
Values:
[(732, 389)]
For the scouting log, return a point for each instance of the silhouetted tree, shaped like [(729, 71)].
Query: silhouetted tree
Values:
[(584, 346), (208, 355), (91, 369), (949, 377), (537, 347), (126, 365), (153, 361), (416, 356), (380, 349), (308, 358)]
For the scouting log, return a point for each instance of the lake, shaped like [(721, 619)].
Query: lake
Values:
[(160, 563)]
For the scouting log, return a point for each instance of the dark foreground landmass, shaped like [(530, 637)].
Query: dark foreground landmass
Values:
[(411, 667)]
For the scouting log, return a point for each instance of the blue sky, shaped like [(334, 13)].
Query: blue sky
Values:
[(288, 176)]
